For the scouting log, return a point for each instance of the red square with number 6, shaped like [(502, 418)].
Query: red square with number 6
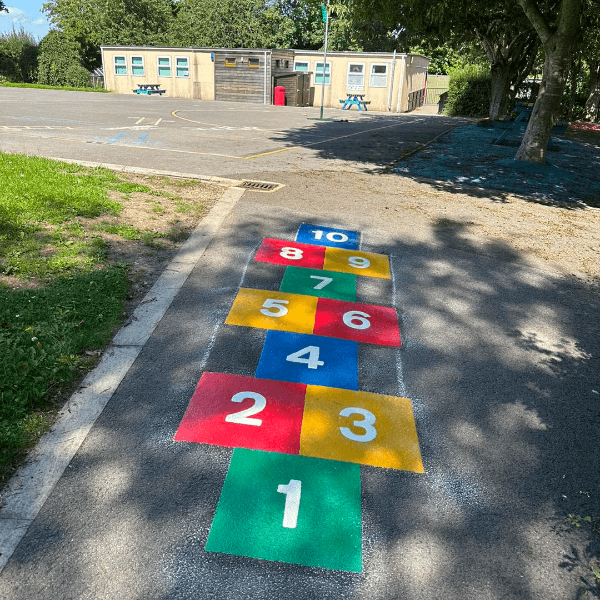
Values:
[(244, 412), (367, 323), (282, 252)]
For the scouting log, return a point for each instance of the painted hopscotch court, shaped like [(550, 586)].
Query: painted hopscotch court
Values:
[(301, 428)]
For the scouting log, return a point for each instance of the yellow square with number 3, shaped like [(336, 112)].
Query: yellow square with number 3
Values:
[(360, 427), (273, 310), (367, 264)]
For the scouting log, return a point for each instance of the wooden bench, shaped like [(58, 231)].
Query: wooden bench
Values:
[(355, 100), (148, 89)]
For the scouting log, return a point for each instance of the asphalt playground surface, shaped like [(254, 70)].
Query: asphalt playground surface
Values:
[(498, 359)]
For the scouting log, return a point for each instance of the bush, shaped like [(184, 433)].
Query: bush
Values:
[(60, 63), (18, 57), (469, 94)]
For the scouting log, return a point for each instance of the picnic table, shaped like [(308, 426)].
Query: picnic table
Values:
[(523, 110), (149, 89), (355, 100)]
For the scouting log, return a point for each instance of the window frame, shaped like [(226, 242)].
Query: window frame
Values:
[(187, 67), (326, 75), (302, 62), (228, 62), (133, 67), (355, 87), (159, 66), (371, 84), (123, 65), (250, 62)]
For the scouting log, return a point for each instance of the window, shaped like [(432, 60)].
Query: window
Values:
[(287, 64), (301, 65), (278, 63), (356, 76), (253, 63), (137, 65), (378, 76), (120, 65), (164, 66), (182, 67), (319, 73), (230, 62)]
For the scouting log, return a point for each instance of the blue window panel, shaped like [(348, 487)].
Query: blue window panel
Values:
[(327, 236), (309, 359)]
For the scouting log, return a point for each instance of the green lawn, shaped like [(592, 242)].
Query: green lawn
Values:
[(70, 299)]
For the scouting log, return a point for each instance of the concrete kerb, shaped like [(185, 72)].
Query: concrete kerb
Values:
[(29, 488)]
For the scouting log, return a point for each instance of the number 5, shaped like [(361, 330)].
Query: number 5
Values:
[(278, 307)]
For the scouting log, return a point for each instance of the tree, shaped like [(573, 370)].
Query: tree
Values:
[(558, 29), (591, 54), (92, 24)]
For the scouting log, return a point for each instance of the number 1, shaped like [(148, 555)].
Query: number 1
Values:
[(292, 492)]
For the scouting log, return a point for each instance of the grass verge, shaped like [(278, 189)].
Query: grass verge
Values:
[(41, 86), (77, 247)]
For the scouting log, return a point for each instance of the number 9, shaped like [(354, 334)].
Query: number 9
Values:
[(359, 262)]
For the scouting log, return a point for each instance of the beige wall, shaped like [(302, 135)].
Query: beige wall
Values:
[(198, 84), (387, 92)]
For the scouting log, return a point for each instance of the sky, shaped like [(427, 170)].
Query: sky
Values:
[(26, 13)]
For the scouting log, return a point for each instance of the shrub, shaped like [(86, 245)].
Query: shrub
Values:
[(60, 62), (18, 56), (469, 94)]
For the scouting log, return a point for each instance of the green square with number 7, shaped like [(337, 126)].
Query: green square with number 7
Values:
[(292, 509), (315, 282)]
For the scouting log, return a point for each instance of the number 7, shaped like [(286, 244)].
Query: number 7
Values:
[(324, 281)]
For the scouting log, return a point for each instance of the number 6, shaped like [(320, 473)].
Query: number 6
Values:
[(357, 319)]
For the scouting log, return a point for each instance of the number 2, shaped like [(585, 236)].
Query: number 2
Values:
[(243, 416), (367, 424)]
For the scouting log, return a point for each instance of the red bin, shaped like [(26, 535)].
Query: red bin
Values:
[(279, 96)]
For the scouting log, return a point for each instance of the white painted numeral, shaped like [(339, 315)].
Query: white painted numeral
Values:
[(292, 491), (332, 236), (313, 357), (243, 416), (357, 319), (324, 281), (360, 262), (274, 308), (291, 253), (367, 424)]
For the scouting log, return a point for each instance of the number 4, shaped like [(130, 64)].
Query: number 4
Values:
[(313, 357)]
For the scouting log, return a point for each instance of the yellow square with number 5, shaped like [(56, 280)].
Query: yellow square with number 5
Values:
[(273, 310), (360, 427), (367, 264)]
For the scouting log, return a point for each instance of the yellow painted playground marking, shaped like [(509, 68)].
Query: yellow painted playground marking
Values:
[(360, 427), (367, 264)]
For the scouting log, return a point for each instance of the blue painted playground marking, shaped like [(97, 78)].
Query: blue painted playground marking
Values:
[(327, 236)]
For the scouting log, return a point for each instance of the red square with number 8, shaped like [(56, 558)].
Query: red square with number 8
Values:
[(283, 252), (367, 323)]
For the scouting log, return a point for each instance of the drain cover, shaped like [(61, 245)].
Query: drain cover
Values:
[(260, 186)]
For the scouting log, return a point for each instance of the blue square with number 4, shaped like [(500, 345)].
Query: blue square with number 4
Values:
[(327, 236), (309, 359)]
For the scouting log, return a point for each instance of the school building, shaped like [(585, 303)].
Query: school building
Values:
[(390, 82)]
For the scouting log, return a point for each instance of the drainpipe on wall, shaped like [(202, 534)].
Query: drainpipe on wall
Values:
[(265, 84), (392, 82), (103, 69), (401, 83)]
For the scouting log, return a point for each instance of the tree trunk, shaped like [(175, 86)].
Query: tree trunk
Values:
[(535, 141), (592, 105), (501, 79)]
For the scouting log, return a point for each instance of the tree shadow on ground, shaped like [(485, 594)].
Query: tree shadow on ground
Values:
[(500, 363)]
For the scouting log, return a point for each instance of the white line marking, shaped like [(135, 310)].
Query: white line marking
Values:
[(139, 120), (29, 488)]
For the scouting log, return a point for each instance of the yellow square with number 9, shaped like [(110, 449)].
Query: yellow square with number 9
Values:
[(360, 427), (273, 310), (367, 264)]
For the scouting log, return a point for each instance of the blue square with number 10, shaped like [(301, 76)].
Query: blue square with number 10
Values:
[(327, 236), (309, 359)]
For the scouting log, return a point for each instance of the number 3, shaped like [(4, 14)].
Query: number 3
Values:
[(367, 424)]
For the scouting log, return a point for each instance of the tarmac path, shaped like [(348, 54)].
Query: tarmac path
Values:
[(497, 358)]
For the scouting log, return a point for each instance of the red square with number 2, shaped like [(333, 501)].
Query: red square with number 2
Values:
[(282, 252), (367, 323), (244, 412)]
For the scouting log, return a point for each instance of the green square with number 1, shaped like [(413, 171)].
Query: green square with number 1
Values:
[(316, 282), (292, 509)]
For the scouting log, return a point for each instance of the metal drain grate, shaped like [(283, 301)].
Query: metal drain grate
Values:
[(259, 186)]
